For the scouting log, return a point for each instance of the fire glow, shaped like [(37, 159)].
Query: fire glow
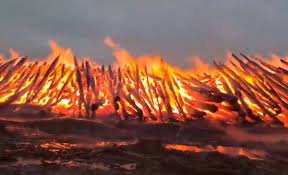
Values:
[(245, 89), (231, 151)]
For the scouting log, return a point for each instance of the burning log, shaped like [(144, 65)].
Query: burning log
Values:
[(246, 89), (6, 66), (19, 92), (179, 107), (44, 79), (81, 90), (284, 62), (63, 87), (237, 93), (204, 106), (133, 104), (249, 90), (160, 116), (165, 100)]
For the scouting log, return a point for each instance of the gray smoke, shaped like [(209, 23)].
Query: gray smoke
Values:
[(175, 29)]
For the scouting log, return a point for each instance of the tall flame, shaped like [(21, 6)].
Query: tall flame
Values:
[(66, 55)]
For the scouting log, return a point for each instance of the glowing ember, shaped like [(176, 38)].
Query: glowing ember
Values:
[(56, 147), (60, 146), (231, 151), (146, 88)]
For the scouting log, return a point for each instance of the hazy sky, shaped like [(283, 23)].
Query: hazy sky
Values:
[(175, 29)]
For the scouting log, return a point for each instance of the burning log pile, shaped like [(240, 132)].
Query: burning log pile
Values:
[(247, 90)]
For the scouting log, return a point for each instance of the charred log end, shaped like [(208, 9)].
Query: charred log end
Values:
[(276, 123), (232, 100), (175, 120), (247, 122), (216, 98), (102, 69), (236, 108), (199, 115), (94, 107), (140, 115), (252, 119), (153, 118), (116, 106), (213, 109), (241, 114), (277, 110), (93, 115), (117, 98), (250, 114)]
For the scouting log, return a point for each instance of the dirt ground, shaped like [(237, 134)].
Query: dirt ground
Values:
[(58, 145)]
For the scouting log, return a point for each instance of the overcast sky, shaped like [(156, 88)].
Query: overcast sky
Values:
[(175, 29)]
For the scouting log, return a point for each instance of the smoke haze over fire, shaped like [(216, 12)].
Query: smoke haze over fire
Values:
[(176, 30)]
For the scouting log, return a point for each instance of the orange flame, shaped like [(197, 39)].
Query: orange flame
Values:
[(244, 89)]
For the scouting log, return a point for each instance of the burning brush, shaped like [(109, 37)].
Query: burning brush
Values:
[(247, 90)]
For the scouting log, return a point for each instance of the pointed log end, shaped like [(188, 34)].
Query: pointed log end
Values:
[(75, 62)]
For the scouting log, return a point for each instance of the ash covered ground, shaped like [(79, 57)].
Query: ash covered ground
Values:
[(33, 144)]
